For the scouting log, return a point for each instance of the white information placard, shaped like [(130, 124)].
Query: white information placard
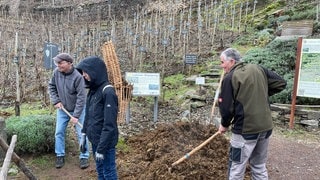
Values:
[(144, 84), (200, 80), (309, 74)]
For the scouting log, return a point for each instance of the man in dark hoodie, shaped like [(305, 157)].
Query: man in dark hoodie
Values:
[(100, 125)]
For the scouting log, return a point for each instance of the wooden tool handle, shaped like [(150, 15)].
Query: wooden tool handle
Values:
[(79, 124), (217, 94), (186, 156)]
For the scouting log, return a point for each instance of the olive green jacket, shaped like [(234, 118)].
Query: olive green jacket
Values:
[(244, 98)]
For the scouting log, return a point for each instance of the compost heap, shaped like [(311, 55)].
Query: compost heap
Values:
[(151, 153)]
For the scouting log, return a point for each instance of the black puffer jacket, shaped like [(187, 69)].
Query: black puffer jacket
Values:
[(100, 123)]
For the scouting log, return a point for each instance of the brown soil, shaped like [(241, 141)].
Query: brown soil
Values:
[(152, 152)]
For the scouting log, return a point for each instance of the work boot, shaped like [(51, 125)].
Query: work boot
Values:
[(84, 163), (59, 161)]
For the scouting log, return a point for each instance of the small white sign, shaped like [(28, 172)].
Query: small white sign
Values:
[(200, 80)]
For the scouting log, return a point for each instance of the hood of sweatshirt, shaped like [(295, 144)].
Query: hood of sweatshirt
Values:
[(96, 69)]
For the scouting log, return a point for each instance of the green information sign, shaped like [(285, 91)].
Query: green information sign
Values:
[(144, 84), (309, 74)]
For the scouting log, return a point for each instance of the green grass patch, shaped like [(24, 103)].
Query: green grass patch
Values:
[(174, 86), (34, 108), (174, 80), (173, 94), (43, 162), (122, 146)]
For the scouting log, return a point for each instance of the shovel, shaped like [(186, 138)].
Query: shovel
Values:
[(186, 156), (79, 124)]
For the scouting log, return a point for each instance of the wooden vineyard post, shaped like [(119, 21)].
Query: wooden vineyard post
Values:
[(149, 34), (23, 70), (18, 161), (233, 12), (172, 30), (156, 33), (295, 84), (214, 25), (199, 27), (254, 10), (246, 18), (7, 160), (240, 13), (207, 14), (180, 27), (123, 89), (16, 61)]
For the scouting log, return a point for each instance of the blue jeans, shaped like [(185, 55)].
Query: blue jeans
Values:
[(107, 168), (60, 134)]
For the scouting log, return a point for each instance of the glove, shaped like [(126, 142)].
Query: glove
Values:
[(99, 157), (83, 143)]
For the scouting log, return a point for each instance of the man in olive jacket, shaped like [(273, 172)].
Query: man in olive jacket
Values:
[(244, 105), (100, 125)]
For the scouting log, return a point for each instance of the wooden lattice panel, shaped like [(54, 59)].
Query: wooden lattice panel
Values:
[(111, 60), (123, 90)]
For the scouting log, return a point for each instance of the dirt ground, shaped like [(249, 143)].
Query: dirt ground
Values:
[(294, 156), (151, 152)]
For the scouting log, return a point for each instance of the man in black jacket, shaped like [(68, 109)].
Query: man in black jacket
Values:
[(100, 125), (244, 105)]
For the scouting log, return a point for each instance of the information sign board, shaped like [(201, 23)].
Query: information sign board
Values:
[(191, 58), (144, 84), (50, 51), (309, 75)]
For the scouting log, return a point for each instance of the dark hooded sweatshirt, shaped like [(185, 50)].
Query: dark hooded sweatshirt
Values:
[(100, 123)]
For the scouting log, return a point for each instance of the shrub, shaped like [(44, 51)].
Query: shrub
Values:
[(280, 56), (264, 37), (35, 133)]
